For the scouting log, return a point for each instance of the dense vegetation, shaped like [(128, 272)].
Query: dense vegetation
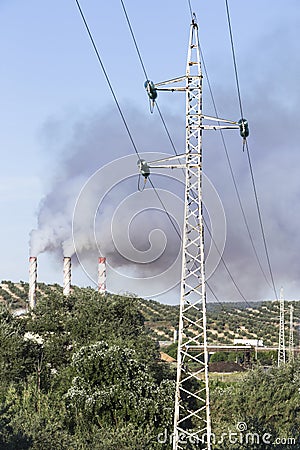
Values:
[(84, 372), (261, 411), (81, 373)]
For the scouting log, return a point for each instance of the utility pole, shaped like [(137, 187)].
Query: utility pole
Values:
[(291, 340), (192, 422), (281, 344)]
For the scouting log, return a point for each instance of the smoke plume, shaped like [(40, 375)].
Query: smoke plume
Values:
[(271, 107)]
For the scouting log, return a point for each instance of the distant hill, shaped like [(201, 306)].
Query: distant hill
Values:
[(225, 323)]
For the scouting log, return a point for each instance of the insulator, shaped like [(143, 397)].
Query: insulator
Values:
[(151, 89), (244, 128), (143, 168)]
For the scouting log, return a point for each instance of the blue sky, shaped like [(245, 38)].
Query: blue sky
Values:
[(55, 100)]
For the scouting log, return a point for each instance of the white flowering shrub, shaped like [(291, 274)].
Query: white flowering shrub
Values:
[(112, 385)]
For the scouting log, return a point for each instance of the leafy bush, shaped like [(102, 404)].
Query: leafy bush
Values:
[(80, 369)]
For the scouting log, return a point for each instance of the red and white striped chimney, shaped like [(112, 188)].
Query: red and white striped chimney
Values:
[(102, 275), (32, 281), (67, 276)]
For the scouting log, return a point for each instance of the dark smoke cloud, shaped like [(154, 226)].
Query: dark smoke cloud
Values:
[(271, 104), (96, 141), (271, 97)]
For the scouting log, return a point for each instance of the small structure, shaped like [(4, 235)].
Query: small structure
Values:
[(252, 342)]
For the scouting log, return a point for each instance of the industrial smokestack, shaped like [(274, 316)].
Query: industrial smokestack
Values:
[(102, 275), (67, 276), (32, 281)]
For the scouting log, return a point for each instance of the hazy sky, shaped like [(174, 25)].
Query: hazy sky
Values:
[(59, 126)]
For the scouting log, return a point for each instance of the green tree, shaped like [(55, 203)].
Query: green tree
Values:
[(266, 401), (18, 356), (82, 372), (112, 388)]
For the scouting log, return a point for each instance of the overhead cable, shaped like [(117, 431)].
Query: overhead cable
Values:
[(118, 104), (248, 153), (169, 136), (232, 173)]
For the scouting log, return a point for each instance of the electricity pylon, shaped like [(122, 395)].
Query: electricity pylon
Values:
[(291, 340), (281, 343), (192, 408)]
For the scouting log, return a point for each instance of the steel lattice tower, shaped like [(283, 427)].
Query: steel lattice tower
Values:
[(281, 344), (192, 410), (291, 340)]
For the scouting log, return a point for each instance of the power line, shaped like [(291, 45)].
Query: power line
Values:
[(234, 60), (134, 40), (232, 175), (160, 114), (190, 8), (248, 153), (229, 161), (164, 125), (232, 172), (174, 149), (180, 238), (234, 182), (225, 265), (168, 214), (118, 105), (107, 77), (166, 129), (260, 219), (215, 296), (130, 135), (172, 143), (145, 73)]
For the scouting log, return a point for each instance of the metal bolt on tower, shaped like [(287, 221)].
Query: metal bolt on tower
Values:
[(281, 344), (192, 409)]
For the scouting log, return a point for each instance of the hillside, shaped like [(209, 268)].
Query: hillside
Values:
[(225, 323)]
